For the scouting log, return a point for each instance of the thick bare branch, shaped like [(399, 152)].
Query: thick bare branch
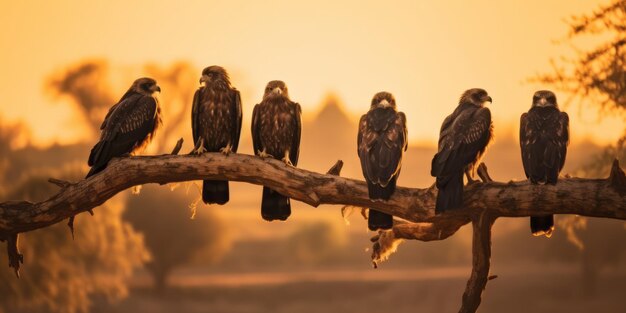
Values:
[(588, 197), (481, 255)]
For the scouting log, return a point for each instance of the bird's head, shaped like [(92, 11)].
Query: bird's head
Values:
[(214, 74), (475, 96), (145, 86), (276, 89), (383, 100), (544, 98)]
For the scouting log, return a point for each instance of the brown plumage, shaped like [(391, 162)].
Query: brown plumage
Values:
[(128, 126), (381, 141), (276, 130), (463, 140), (544, 136), (216, 124)]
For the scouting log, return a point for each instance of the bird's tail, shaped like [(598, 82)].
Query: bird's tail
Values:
[(215, 191), (379, 220), (274, 206), (542, 225), (450, 195)]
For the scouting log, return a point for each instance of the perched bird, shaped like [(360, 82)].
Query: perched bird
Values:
[(216, 124), (129, 126), (543, 136), (276, 129), (463, 140), (381, 141)]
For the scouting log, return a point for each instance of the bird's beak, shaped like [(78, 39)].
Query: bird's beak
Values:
[(384, 103), (487, 99), (204, 79), (277, 90), (543, 102), (155, 88)]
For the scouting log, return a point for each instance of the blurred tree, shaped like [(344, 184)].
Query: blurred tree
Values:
[(596, 76), (173, 238), (63, 275), (179, 82), (87, 84), (316, 242)]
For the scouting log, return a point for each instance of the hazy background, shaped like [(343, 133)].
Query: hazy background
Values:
[(65, 63)]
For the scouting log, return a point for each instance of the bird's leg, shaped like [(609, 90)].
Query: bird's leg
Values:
[(199, 149), (286, 159), (226, 150), (264, 154)]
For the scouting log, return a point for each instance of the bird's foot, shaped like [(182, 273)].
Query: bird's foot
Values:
[(226, 150), (199, 148), (264, 154), (287, 161)]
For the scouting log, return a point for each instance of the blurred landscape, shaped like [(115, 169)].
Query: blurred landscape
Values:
[(230, 260), (163, 250)]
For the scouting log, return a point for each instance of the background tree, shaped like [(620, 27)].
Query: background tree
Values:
[(596, 77), (64, 274), (173, 238)]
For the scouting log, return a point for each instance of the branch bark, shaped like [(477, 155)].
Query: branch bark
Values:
[(483, 202)]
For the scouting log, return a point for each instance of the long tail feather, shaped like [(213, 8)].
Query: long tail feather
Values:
[(450, 195), (274, 206), (215, 191)]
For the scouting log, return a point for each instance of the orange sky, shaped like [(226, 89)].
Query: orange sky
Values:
[(425, 52)]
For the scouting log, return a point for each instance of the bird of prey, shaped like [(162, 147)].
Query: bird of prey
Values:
[(216, 124), (129, 126), (543, 136), (276, 129), (381, 141), (463, 140)]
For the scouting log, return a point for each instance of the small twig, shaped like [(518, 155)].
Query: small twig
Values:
[(617, 178), (483, 173), (59, 182), (336, 169), (179, 145), (15, 258)]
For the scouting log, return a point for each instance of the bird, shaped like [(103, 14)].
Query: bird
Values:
[(129, 126), (463, 140), (544, 137), (381, 141), (216, 124), (276, 131)]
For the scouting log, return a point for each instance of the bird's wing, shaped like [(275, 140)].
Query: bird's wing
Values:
[(106, 118), (468, 134), (294, 151), (256, 136), (236, 130), (563, 137), (128, 126), (525, 133), (195, 115)]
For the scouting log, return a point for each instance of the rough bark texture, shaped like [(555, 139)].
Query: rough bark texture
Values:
[(483, 202)]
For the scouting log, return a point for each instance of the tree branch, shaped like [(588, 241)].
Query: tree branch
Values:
[(483, 202)]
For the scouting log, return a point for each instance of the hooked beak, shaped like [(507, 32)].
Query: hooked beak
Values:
[(277, 90), (204, 79), (487, 99), (543, 102), (155, 88), (384, 103)]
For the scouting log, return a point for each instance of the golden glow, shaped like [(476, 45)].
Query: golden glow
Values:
[(425, 52)]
